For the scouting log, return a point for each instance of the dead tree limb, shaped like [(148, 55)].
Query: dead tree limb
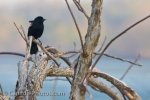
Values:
[(85, 59), (30, 81), (101, 87), (122, 87), (128, 92)]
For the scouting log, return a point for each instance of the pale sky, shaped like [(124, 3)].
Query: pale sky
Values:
[(60, 30)]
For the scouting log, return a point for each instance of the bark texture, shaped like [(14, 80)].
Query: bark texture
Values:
[(85, 59), (30, 80)]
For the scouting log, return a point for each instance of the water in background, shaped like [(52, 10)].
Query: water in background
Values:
[(138, 78)]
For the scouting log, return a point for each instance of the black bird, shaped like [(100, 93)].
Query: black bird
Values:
[(36, 30)]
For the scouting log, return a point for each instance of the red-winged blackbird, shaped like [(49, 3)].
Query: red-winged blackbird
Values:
[(36, 30)]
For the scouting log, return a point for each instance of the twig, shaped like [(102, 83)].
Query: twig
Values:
[(119, 35), (81, 41), (80, 8), (107, 55), (129, 68), (23, 31), (121, 59), (46, 52), (13, 53), (21, 34)]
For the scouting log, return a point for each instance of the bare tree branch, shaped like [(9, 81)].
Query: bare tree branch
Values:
[(67, 60), (80, 8), (79, 71), (55, 51), (69, 72), (129, 68), (119, 35), (131, 94), (21, 34), (84, 61), (77, 27), (101, 87), (121, 59), (46, 52), (12, 53), (107, 55)]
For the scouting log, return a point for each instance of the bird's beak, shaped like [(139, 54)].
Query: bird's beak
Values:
[(31, 21), (44, 20)]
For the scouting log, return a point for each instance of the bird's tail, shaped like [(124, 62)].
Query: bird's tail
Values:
[(34, 48)]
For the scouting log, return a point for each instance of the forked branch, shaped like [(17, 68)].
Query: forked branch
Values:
[(80, 8)]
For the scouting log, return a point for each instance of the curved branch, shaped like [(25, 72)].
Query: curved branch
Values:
[(12, 53), (103, 88), (123, 88)]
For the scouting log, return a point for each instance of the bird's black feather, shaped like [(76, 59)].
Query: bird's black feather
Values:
[(36, 30)]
